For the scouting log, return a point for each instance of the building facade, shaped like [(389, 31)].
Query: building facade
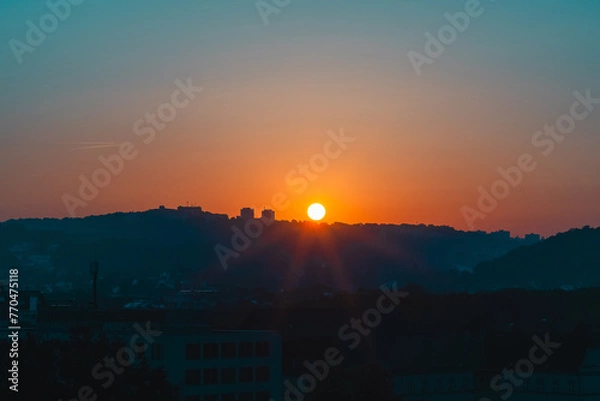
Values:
[(209, 365), (247, 213)]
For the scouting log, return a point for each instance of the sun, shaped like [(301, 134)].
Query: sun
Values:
[(316, 211)]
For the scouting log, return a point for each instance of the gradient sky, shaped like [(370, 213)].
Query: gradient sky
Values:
[(424, 144)]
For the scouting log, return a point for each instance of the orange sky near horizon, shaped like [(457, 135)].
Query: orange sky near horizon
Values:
[(424, 144), (403, 167)]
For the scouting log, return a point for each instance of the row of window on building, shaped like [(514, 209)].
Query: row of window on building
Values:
[(547, 386), (227, 350), (245, 396), (196, 351), (423, 386), (452, 384), (196, 377)]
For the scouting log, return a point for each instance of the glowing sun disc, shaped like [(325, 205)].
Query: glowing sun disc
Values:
[(316, 211)]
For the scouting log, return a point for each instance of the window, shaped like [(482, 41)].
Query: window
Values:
[(451, 384), (211, 397), (192, 351), (211, 376), (228, 397), (262, 374), (192, 377), (263, 349), (571, 386), (156, 352), (228, 350), (211, 350), (245, 375), (540, 385), (228, 375), (555, 386), (410, 388), (245, 350), (246, 397), (193, 398), (424, 386), (262, 396), (465, 383)]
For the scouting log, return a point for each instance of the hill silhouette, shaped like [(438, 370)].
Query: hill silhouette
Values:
[(567, 260), (172, 249)]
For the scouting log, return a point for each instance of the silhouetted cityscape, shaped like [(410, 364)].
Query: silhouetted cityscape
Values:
[(284, 312)]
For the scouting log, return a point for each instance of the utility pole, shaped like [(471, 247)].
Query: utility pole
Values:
[(94, 273)]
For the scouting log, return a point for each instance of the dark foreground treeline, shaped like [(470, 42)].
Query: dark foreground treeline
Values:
[(75, 369)]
